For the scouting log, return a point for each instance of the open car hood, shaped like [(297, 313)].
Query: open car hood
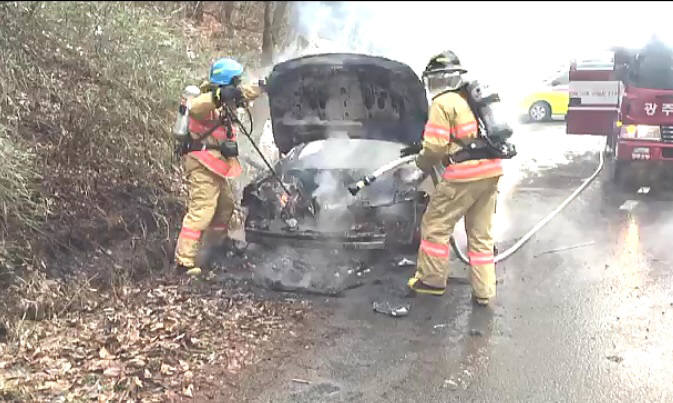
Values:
[(345, 95)]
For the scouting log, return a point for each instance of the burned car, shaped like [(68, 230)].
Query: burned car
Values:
[(335, 118)]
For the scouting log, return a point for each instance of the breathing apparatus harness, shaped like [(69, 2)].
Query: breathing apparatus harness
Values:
[(492, 135), (223, 97)]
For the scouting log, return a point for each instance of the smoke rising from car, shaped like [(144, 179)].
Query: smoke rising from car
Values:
[(341, 161), (511, 45), (492, 39), (333, 202)]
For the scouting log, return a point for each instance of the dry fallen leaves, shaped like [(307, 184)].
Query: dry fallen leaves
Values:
[(146, 348), (112, 372), (122, 340), (137, 363), (167, 369), (104, 354), (137, 382), (56, 386), (188, 391)]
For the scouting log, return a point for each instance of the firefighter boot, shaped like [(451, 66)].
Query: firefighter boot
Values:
[(481, 301), (190, 271), (421, 288)]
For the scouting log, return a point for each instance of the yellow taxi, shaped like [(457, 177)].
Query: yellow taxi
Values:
[(550, 101)]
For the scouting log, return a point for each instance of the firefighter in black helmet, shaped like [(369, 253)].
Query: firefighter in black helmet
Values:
[(467, 189)]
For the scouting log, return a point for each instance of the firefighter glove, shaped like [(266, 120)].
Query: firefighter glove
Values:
[(227, 94), (414, 148)]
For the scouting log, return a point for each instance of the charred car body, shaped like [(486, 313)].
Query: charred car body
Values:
[(335, 118)]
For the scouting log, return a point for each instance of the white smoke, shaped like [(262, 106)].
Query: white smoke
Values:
[(332, 200), (267, 145), (512, 45)]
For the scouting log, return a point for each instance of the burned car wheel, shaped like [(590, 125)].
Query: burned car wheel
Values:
[(336, 118)]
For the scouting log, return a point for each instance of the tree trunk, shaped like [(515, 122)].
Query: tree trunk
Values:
[(279, 16), (227, 13), (197, 11), (267, 36), (279, 13)]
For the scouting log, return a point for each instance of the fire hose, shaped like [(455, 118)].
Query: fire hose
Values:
[(359, 185), (525, 238), (233, 118)]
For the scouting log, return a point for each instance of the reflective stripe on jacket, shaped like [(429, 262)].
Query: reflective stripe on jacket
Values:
[(214, 162), (213, 125), (450, 118)]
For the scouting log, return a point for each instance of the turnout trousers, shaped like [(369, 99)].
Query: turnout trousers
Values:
[(210, 212), (476, 201)]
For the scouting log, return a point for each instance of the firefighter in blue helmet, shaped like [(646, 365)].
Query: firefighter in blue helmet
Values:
[(211, 162)]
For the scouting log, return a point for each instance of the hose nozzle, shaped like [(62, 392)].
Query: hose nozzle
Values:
[(359, 185)]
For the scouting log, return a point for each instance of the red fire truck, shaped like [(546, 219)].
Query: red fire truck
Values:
[(629, 99)]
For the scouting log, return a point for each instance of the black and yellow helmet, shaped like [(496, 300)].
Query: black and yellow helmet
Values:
[(445, 62), (443, 73)]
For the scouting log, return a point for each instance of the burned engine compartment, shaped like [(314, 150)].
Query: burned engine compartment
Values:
[(335, 118), (320, 209)]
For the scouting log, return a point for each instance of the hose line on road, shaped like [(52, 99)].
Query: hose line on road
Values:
[(526, 237)]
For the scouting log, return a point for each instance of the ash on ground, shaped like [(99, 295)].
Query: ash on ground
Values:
[(316, 271)]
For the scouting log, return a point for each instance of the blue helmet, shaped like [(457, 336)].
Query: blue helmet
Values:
[(224, 70)]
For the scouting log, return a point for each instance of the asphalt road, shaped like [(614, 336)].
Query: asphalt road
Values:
[(591, 322)]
